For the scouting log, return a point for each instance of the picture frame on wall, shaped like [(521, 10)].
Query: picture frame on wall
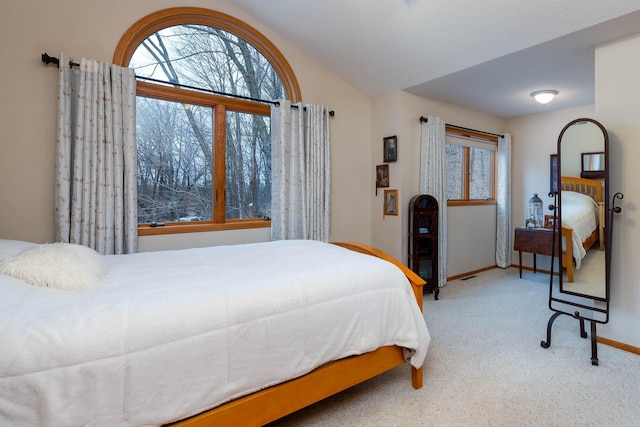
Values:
[(390, 148), (382, 176), (390, 202)]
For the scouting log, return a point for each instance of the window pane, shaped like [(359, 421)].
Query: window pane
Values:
[(248, 191), (455, 172), (176, 176), (481, 174), (208, 58), (174, 143)]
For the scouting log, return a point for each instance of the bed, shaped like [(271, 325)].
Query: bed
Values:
[(233, 335), (582, 220)]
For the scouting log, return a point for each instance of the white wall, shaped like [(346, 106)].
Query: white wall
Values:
[(618, 108), (534, 139), (92, 29), (398, 114)]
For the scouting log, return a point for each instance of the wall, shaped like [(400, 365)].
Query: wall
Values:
[(579, 139), (398, 114), (534, 139), (79, 28), (617, 107)]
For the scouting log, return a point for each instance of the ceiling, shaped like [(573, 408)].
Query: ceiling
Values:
[(488, 56)]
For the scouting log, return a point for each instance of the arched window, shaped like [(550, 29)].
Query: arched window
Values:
[(203, 127)]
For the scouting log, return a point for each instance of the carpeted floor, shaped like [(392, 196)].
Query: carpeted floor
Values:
[(485, 367)]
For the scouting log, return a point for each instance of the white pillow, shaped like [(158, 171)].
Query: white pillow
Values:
[(9, 248), (62, 266)]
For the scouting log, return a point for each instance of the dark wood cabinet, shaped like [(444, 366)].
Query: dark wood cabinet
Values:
[(423, 240)]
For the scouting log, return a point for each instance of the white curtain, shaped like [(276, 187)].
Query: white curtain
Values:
[(503, 229), (301, 172), (433, 182), (95, 193)]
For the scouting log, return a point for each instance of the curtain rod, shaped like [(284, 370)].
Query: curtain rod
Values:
[(423, 119), (47, 59)]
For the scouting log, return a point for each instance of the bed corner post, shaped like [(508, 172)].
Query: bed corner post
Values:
[(416, 377)]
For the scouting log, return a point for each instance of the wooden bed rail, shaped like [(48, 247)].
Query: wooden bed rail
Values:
[(416, 281)]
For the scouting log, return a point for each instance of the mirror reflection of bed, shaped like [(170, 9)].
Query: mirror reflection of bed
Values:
[(582, 211), (583, 236)]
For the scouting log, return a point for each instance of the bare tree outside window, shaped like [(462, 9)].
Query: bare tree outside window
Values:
[(470, 173), (455, 171), (480, 174), (177, 147)]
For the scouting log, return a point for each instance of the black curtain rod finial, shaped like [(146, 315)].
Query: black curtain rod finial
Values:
[(49, 59)]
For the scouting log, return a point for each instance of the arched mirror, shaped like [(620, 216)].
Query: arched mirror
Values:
[(582, 206), (580, 288)]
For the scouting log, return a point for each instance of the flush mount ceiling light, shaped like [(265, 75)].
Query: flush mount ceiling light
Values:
[(544, 96)]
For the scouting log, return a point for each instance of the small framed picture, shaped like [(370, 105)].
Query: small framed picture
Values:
[(549, 221), (390, 145), (390, 202), (382, 176)]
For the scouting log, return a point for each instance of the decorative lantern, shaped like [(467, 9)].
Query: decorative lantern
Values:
[(535, 212)]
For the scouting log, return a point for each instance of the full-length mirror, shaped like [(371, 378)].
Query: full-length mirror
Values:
[(583, 226), (582, 201)]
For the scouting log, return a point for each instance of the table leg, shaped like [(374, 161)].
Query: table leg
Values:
[(594, 344), (520, 262), (534, 263)]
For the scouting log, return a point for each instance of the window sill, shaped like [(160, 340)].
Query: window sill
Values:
[(471, 202), (198, 227)]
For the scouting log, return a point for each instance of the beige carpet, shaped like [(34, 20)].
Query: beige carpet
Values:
[(485, 367)]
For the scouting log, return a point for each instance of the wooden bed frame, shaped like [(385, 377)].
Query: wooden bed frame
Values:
[(277, 401), (592, 189)]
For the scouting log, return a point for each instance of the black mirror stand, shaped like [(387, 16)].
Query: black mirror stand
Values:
[(576, 314)]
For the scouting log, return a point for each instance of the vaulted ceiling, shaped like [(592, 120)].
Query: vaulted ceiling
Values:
[(488, 56)]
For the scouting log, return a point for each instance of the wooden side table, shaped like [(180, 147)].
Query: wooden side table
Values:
[(535, 241)]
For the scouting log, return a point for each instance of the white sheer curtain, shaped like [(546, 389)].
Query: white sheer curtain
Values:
[(301, 172), (503, 229), (433, 182), (96, 157)]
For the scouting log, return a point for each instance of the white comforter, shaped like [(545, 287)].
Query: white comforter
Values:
[(170, 334), (579, 212)]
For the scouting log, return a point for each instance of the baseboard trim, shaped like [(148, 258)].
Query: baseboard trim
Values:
[(469, 273), (538, 270), (619, 345)]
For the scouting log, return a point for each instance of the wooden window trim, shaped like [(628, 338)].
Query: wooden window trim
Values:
[(202, 226), (466, 173), (151, 90), (156, 21), (219, 169)]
